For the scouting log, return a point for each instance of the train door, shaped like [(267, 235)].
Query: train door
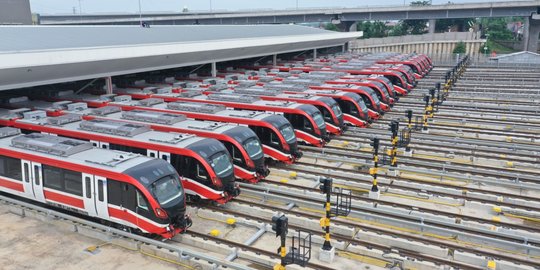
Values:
[(89, 195), (100, 185), (33, 180)]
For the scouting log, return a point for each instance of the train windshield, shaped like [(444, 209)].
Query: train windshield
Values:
[(253, 147), (318, 118), (167, 189), (221, 163), (337, 110), (373, 96), (288, 133)]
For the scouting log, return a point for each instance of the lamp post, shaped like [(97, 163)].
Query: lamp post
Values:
[(140, 14)]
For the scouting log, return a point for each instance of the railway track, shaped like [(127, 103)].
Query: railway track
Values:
[(265, 193)]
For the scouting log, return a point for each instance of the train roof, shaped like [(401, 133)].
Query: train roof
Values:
[(233, 98), (216, 109), (114, 129), (69, 150)]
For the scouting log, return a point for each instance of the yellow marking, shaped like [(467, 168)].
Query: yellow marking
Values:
[(293, 174), (279, 267), (496, 219), (284, 180), (283, 251), (497, 209), (231, 221), (523, 217), (509, 164), (373, 171), (363, 259), (422, 200), (492, 265), (215, 233)]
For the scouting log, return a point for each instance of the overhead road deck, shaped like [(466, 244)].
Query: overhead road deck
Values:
[(443, 11), (38, 55)]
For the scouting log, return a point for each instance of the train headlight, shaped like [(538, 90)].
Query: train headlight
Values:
[(160, 213)]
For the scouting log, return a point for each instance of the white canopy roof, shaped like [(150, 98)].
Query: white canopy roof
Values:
[(37, 55)]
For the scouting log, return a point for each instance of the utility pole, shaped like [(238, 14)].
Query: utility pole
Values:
[(140, 14), (80, 10)]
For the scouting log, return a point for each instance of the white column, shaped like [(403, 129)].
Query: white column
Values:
[(108, 83), (314, 54), (274, 60), (214, 70)]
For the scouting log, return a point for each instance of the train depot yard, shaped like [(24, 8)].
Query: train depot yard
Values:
[(316, 159)]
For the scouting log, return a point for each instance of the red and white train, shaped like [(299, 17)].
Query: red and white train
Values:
[(204, 164), (122, 189)]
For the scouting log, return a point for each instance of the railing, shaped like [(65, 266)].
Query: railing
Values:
[(437, 37)]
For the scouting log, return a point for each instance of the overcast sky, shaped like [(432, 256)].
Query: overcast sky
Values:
[(132, 6)]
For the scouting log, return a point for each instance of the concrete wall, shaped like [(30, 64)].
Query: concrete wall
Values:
[(15, 12), (432, 44)]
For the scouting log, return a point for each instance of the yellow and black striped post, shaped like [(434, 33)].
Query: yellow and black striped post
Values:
[(373, 171), (394, 128), (326, 187), (427, 110)]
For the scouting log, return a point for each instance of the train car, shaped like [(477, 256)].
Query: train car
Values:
[(306, 119), (242, 143), (204, 164), (329, 108), (375, 106), (274, 131), (125, 190), (384, 92), (355, 111)]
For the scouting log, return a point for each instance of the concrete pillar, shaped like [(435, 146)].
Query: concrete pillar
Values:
[(214, 70), (431, 28), (347, 26), (526, 27), (314, 54), (534, 32), (274, 60), (109, 85)]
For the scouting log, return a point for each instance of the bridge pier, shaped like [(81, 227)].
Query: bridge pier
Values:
[(347, 26), (531, 31), (432, 23)]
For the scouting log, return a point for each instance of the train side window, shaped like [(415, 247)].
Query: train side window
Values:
[(114, 192), (10, 167), (73, 182), (26, 173), (53, 177), (100, 190), (88, 186), (152, 155), (141, 201)]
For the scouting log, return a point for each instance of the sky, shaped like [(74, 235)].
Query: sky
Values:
[(132, 6)]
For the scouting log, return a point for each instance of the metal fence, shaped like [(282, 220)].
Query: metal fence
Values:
[(483, 60)]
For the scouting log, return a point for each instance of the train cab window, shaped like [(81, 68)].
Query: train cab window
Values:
[(101, 196), (141, 201), (88, 186), (307, 125), (10, 167), (201, 172), (274, 139), (165, 157)]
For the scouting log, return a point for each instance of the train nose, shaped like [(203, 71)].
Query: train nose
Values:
[(182, 222), (235, 192)]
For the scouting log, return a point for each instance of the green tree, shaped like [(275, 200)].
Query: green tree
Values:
[(460, 48), (371, 29), (462, 25), (496, 28), (331, 27)]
